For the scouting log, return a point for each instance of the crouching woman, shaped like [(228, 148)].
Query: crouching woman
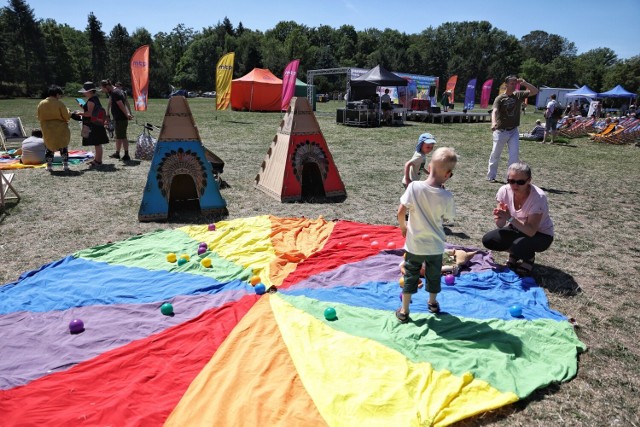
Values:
[(524, 226)]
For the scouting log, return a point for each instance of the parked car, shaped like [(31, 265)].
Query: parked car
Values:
[(209, 94)]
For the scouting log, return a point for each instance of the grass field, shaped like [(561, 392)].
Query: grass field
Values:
[(590, 272)]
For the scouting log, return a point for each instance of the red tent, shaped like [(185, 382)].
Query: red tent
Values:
[(258, 90)]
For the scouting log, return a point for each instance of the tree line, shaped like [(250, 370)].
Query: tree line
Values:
[(39, 52)]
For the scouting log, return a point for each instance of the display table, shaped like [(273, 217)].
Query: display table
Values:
[(418, 104), (357, 117)]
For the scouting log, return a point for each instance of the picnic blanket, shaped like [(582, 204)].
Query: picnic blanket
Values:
[(11, 159), (229, 354)]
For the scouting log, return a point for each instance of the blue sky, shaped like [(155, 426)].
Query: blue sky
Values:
[(589, 24)]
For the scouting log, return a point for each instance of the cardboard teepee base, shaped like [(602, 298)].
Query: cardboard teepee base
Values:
[(180, 170)]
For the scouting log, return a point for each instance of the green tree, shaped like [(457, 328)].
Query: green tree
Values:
[(28, 50), (120, 50), (592, 66), (99, 52), (58, 56), (625, 73), (545, 47)]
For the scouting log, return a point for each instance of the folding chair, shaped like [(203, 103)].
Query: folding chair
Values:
[(12, 131), (5, 186)]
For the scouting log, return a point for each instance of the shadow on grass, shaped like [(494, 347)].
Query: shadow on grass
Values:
[(554, 191), (555, 281), (458, 234), (66, 173), (102, 168)]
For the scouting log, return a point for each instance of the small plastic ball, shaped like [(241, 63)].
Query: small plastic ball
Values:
[(260, 289), (166, 309), (375, 244), (171, 257), (212, 227), (206, 262), (391, 245), (515, 310), (202, 250), (365, 237), (182, 261), (401, 281), (330, 313), (185, 256), (450, 279), (203, 244), (254, 280), (340, 245), (76, 326)]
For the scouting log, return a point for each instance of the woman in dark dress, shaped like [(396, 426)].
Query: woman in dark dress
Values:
[(93, 130)]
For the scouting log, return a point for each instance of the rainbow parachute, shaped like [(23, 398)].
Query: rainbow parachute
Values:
[(228, 356)]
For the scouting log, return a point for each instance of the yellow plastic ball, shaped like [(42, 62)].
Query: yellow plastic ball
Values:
[(401, 281), (254, 280), (206, 262), (185, 256), (172, 257)]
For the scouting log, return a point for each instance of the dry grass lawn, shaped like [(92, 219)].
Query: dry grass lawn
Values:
[(590, 273)]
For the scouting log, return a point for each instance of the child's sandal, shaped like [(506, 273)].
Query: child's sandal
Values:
[(402, 317), (434, 307)]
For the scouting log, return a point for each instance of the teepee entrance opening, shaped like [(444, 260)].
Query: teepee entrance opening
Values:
[(312, 183), (183, 195)]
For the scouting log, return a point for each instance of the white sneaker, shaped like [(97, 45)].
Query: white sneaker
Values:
[(65, 167)]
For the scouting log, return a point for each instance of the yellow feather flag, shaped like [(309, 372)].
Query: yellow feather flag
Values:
[(224, 74)]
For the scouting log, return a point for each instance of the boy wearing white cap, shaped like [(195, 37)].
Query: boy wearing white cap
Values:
[(413, 167)]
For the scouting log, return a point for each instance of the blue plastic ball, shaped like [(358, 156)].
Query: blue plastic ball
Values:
[(330, 313), (515, 310), (260, 289)]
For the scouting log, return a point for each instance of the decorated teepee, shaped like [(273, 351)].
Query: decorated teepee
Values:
[(180, 171), (298, 164)]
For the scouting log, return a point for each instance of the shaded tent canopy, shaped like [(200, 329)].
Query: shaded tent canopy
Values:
[(617, 92), (259, 90), (365, 85), (584, 91)]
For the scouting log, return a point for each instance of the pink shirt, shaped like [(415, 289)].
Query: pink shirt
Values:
[(536, 203)]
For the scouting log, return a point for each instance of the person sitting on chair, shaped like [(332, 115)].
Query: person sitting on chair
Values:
[(33, 149)]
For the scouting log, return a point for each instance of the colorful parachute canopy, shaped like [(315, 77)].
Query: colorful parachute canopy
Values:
[(228, 356)]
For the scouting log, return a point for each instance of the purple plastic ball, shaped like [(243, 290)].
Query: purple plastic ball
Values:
[(449, 279), (212, 227), (202, 249), (76, 326)]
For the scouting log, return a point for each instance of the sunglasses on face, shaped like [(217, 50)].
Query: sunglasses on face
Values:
[(517, 181)]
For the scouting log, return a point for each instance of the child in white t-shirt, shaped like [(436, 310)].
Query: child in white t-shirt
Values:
[(429, 205)]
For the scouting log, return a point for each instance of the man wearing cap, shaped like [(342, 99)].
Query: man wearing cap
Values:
[(121, 116), (505, 119), (413, 167)]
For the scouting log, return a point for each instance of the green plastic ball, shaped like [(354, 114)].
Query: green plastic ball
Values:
[(166, 309), (330, 313)]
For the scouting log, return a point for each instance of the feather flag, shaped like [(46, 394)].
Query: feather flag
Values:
[(140, 77), (451, 87), (289, 82), (224, 74), (470, 95), (486, 93)]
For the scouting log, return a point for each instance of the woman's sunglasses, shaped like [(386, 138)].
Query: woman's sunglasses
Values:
[(517, 181)]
